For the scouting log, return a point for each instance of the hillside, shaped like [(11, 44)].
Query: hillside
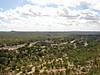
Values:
[(62, 53)]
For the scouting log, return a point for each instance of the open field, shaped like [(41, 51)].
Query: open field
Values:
[(49, 53)]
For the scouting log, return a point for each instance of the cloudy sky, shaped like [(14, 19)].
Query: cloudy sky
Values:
[(50, 15)]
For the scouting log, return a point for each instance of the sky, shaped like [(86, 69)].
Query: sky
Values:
[(49, 15)]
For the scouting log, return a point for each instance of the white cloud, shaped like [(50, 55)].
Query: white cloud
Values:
[(32, 17)]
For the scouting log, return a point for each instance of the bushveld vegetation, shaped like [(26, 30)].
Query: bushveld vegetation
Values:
[(49, 54)]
